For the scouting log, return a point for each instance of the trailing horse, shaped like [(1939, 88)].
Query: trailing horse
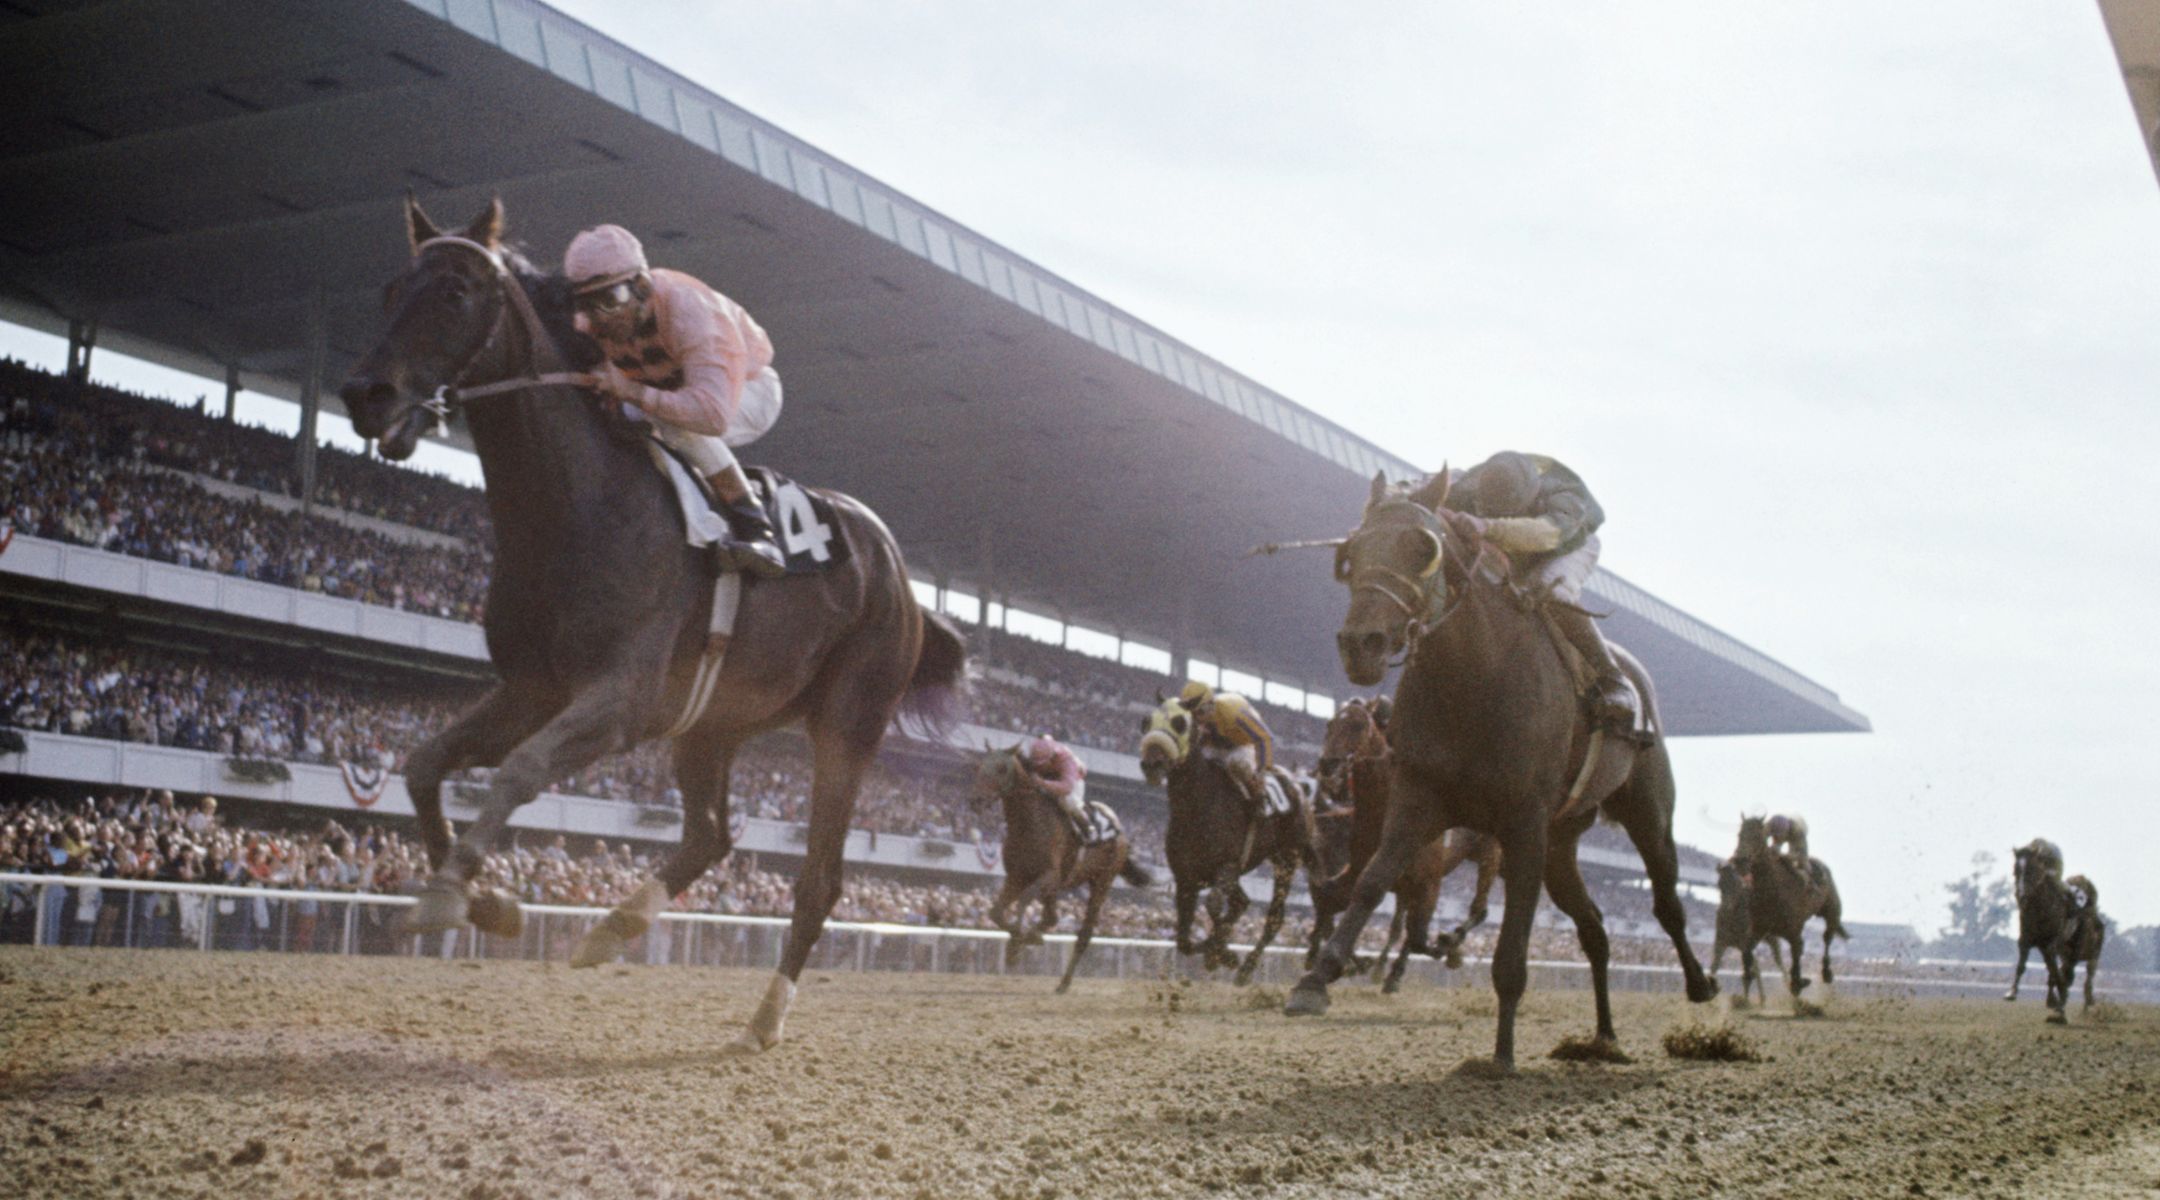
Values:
[(1734, 920), (1212, 840), (1354, 769), (2051, 919), (1781, 902), (1044, 858), (599, 614), (1489, 732)]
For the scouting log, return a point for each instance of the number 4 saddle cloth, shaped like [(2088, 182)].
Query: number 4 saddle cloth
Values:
[(802, 519)]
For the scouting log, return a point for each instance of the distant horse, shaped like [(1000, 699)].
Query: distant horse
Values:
[(1044, 858), (597, 610), (1489, 732), (1354, 774), (1212, 841), (1781, 902), (1734, 917), (2049, 918)]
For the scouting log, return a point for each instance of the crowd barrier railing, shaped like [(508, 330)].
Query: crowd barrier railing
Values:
[(66, 910)]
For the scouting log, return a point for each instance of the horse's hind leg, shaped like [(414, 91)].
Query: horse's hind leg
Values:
[(1644, 806), (597, 722), (1098, 894), (702, 765), (1408, 827), (1564, 883)]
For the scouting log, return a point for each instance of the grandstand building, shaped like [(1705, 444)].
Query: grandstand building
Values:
[(218, 189)]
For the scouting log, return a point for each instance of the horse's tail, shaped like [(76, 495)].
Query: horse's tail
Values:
[(1135, 874), (938, 689)]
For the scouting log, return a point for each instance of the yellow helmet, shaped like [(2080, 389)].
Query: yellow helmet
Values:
[(1193, 693)]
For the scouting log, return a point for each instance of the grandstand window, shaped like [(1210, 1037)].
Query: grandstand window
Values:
[(565, 54), (1320, 706), (611, 78), (940, 243), (1285, 695), (1240, 682), (1035, 626), (995, 617), (697, 122), (970, 258), (655, 100), (809, 179), (962, 606), (846, 198), (1204, 671), (521, 36), (925, 593), (1145, 657), (999, 275), (476, 17), (1092, 642)]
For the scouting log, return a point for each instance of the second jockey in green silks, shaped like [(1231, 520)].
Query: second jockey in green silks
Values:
[(690, 361)]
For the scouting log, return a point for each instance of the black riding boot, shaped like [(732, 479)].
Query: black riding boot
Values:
[(1615, 699), (753, 549)]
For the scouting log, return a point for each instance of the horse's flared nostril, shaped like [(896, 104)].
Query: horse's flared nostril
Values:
[(359, 394)]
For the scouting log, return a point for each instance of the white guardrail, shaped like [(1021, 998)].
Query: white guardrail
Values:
[(64, 910)]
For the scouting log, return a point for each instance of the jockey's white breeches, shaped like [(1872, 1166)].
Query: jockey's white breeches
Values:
[(1567, 573), (712, 454), (1074, 802)]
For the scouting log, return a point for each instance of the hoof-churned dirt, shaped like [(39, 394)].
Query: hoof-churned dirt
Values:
[(228, 1075)]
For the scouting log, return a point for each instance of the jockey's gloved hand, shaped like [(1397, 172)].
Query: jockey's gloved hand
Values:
[(1523, 535), (609, 381)]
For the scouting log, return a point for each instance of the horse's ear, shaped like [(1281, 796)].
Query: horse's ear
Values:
[(1433, 492), (417, 225), (487, 228), (1379, 489)]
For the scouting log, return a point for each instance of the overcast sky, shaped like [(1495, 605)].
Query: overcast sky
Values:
[(1843, 310)]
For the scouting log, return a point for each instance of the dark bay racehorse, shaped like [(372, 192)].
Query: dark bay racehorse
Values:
[(2050, 919), (597, 610), (1354, 769), (1489, 733), (1735, 917), (1212, 843), (1044, 859), (1781, 902)]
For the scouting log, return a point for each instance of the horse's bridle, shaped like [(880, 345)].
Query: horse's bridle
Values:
[(1436, 596), (449, 395)]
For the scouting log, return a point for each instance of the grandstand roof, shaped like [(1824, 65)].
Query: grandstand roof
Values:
[(2134, 27), (194, 173)]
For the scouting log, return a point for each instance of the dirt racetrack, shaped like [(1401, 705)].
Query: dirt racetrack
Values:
[(232, 1075)]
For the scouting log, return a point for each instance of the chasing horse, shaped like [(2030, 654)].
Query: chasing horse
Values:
[(1353, 777), (1735, 922), (607, 626), (1047, 851), (1216, 835), (1512, 717), (2061, 918), (1784, 894)]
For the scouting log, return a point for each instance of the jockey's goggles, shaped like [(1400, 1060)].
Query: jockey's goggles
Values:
[(607, 301)]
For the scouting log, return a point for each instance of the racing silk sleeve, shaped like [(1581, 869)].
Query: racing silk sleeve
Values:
[(715, 346), (1239, 723), (1565, 500)]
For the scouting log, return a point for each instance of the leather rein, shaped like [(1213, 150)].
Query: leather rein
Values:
[(450, 395)]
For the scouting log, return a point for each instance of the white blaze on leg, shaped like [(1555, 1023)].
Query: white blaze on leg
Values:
[(646, 903), (763, 1032)]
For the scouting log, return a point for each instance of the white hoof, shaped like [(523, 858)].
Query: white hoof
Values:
[(625, 924), (765, 1028)]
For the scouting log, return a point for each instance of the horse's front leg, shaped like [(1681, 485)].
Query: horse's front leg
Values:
[(1098, 894), (602, 718), (480, 737), (2018, 976), (1187, 899)]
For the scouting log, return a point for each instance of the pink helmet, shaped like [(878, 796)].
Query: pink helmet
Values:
[(602, 256)]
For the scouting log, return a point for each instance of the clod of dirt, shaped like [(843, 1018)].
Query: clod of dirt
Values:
[(1589, 1049), (250, 1154), (1711, 1044), (1807, 1009)]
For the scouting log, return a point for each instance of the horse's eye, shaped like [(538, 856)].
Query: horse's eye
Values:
[(1179, 723), (456, 289)]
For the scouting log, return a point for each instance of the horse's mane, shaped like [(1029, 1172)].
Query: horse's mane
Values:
[(550, 294)]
